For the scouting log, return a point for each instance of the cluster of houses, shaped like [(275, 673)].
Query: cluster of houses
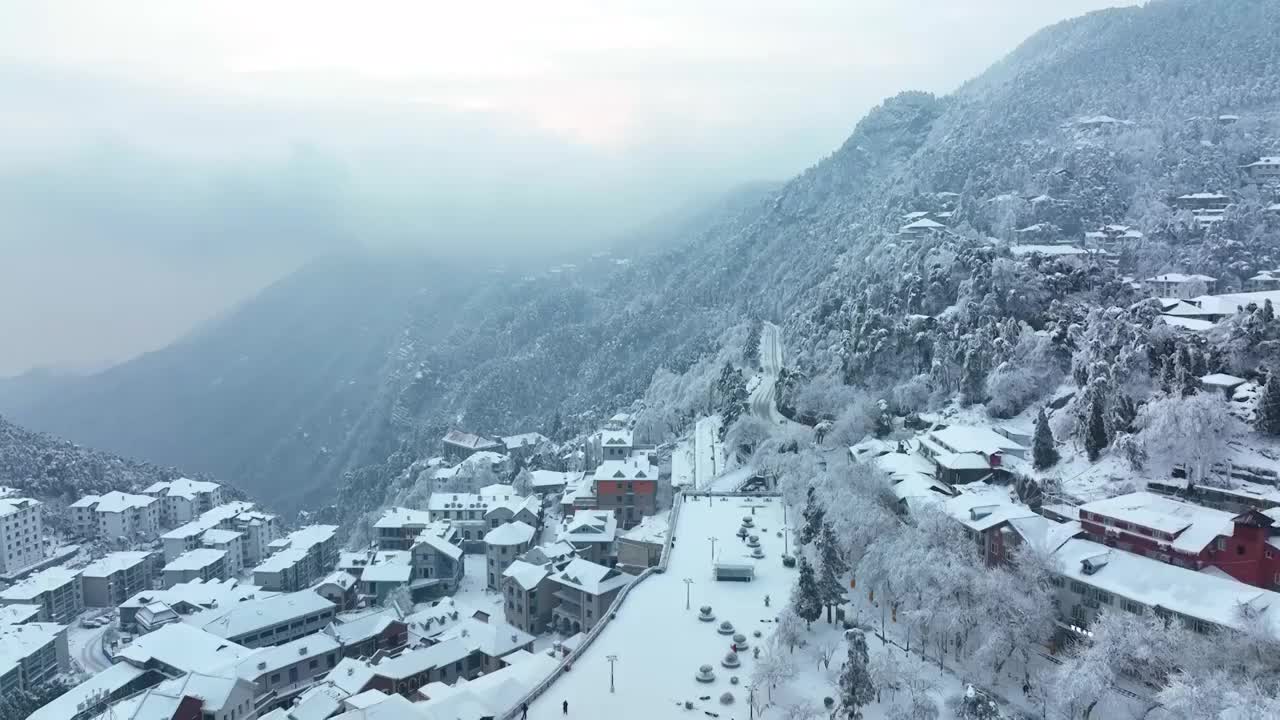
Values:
[(1192, 559)]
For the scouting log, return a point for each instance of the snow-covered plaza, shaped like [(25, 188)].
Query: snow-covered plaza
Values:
[(660, 645)]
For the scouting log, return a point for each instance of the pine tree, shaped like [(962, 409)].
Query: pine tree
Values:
[(1267, 414), (1096, 434), (856, 688), (973, 384), (831, 568), (814, 518), (1043, 451), (806, 599), (1268, 311), (751, 352)]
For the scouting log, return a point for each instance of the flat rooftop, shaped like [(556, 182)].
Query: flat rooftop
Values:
[(660, 644)]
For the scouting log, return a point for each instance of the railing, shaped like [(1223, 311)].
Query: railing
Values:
[(599, 627)]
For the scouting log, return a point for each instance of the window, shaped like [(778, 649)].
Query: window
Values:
[(1077, 587), (1222, 543)]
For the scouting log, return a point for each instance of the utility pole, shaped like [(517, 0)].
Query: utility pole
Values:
[(612, 659), (713, 550), (751, 702), (688, 583)]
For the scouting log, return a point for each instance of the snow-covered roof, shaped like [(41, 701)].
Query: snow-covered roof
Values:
[(210, 594), (630, 469), (115, 562), (491, 694), (541, 479), (484, 457), (512, 533), (350, 675), (18, 613), (387, 572), (86, 501), (513, 442), (590, 526), (1187, 323), (18, 642), (492, 637), (32, 586), (922, 224), (1222, 380), (1180, 278), (185, 647), (116, 502), (970, 439), (210, 519), (615, 438), (527, 575), (218, 536), (591, 578), (1194, 526), (432, 537), (980, 507), (1044, 534), (115, 678), (270, 659), (1204, 196), (651, 529), (962, 461), (341, 578), (1054, 250), (197, 559), (1265, 161), (251, 615), (1157, 584), (468, 441), (400, 517)]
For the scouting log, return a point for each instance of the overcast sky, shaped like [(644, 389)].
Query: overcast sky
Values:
[(162, 159)]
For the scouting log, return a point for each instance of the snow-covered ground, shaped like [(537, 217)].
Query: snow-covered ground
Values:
[(682, 464), (660, 645), (473, 591), (761, 400), (84, 645), (731, 481)]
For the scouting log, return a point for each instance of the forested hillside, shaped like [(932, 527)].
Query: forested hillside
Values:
[(354, 369)]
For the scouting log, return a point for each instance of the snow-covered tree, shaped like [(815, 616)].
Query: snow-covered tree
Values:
[(1121, 645), (814, 517), (976, 706), (832, 567), (806, 598), (1044, 452), (856, 689), (1095, 439), (523, 483), (1267, 414), (787, 631), (772, 669), (1189, 431)]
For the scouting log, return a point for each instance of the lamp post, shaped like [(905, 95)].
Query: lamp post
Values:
[(612, 659), (713, 550), (786, 548), (751, 702), (688, 583)]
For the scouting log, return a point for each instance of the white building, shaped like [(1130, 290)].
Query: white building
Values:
[(31, 654), (188, 536), (184, 499), (593, 533), (585, 591), (111, 580), (230, 542), (1180, 286), (299, 559), (271, 621), (56, 590), (121, 515), (21, 533), (198, 564), (1264, 169), (502, 545)]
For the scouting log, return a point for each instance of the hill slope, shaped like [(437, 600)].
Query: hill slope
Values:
[(363, 363)]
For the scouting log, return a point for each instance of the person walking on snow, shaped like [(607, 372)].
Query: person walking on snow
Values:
[(524, 711), (565, 707)]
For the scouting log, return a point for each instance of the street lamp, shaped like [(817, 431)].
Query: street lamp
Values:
[(713, 550), (786, 548), (612, 659), (688, 583)]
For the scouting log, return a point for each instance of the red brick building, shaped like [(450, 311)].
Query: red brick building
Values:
[(628, 489), (1244, 546)]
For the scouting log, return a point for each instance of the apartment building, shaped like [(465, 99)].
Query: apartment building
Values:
[(184, 499), (57, 590), (21, 533), (199, 564), (584, 593), (299, 559), (271, 621), (31, 654), (110, 581), (502, 545)]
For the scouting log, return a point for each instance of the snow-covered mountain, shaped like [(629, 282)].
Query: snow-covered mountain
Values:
[(354, 367)]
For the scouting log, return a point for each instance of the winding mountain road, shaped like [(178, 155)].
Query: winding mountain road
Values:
[(762, 398)]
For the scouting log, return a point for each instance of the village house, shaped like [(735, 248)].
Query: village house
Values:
[(1180, 286), (1264, 169), (369, 632), (528, 589), (641, 546), (502, 545), (584, 592), (181, 648), (593, 534), (1241, 546), (1221, 383), (474, 515), (522, 446), (963, 454), (459, 445), (398, 527), (437, 560), (1202, 201), (1263, 281), (627, 488), (1112, 237), (923, 226), (338, 587), (547, 482)]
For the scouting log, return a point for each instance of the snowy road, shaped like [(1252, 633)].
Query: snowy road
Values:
[(85, 647), (708, 451), (761, 401)]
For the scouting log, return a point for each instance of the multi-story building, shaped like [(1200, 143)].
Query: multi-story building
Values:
[(56, 590), (584, 593), (523, 445), (286, 669), (627, 488), (230, 542), (1187, 535), (189, 535), (112, 580), (259, 529), (299, 559), (340, 588), (1180, 286), (502, 545), (475, 514), (21, 533), (271, 621), (184, 499), (378, 630), (217, 695), (31, 654), (398, 527), (199, 564), (528, 589), (122, 516), (147, 610), (437, 561), (593, 533), (459, 445)]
